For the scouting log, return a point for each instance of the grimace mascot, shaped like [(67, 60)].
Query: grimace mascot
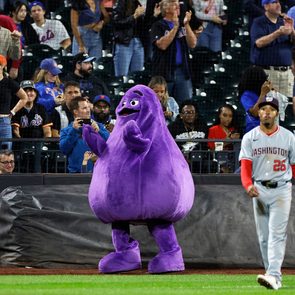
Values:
[(140, 176)]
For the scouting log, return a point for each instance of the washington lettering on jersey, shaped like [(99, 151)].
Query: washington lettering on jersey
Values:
[(269, 151)]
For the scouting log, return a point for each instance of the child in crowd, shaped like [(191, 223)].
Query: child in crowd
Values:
[(169, 104)]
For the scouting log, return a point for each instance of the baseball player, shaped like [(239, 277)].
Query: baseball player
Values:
[(268, 157)]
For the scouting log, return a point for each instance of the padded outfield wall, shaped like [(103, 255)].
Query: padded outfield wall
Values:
[(45, 221)]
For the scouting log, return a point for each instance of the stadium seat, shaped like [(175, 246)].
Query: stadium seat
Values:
[(42, 51)]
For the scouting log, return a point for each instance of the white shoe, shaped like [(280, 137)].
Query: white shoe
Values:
[(269, 282), (279, 283)]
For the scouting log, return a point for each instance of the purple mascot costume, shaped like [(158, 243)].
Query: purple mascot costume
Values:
[(140, 176)]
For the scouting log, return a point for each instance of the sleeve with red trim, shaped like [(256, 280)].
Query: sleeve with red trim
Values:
[(246, 173), (293, 170)]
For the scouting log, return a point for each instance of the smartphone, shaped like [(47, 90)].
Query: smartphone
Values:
[(85, 121)]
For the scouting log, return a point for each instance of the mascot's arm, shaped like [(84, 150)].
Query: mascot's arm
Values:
[(133, 138), (93, 140)]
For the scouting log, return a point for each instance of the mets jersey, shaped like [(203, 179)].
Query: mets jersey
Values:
[(271, 155), (52, 33)]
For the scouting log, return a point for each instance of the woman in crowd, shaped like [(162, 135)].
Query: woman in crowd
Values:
[(18, 12), (32, 120), (128, 22), (253, 87), (213, 17), (87, 20), (49, 85), (169, 104), (225, 127), (8, 88)]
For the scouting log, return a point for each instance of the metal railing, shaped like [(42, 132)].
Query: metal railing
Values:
[(42, 155)]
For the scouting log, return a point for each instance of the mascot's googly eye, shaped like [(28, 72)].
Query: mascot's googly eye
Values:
[(134, 102), (123, 102)]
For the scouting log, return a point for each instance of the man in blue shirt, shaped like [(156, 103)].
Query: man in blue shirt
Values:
[(272, 38), (71, 141)]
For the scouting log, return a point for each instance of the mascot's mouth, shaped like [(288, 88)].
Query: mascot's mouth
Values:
[(126, 112)]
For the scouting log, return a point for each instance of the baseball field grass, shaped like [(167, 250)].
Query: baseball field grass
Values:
[(137, 284)]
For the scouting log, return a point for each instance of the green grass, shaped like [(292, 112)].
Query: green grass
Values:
[(136, 284)]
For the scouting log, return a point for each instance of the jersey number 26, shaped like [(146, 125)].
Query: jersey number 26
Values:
[(279, 165)]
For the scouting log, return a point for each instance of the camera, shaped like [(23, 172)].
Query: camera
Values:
[(85, 121)]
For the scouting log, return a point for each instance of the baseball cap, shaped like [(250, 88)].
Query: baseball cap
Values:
[(3, 60), (263, 2), (28, 84), (83, 57), (50, 65), (36, 3), (102, 97), (268, 100)]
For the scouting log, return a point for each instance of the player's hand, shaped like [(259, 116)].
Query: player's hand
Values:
[(216, 19), (59, 99), (87, 156), (168, 114), (252, 191), (265, 88), (82, 48), (140, 10), (187, 18), (110, 127), (157, 10), (175, 20), (98, 26), (235, 135), (288, 22), (13, 73), (94, 125), (77, 123), (285, 30), (16, 35)]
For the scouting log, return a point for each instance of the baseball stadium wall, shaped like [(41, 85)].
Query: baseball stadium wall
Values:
[(46, 222)]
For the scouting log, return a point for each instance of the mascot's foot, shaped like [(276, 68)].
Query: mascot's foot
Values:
[(120, 261), (167, 262)]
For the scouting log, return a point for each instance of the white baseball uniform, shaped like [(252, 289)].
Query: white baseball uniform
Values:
[(272, 157)]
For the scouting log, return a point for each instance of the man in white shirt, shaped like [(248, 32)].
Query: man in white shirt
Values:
[(50, 32)]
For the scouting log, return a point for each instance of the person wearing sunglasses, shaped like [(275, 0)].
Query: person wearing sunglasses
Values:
[(6, 161)]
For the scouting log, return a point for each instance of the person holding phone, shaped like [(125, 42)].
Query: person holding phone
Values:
[(71, 141), (224, 128)]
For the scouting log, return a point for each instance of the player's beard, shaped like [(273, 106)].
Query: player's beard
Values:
[(268, 125)]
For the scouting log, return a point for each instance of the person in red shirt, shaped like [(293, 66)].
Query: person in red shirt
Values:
[(225, 127)]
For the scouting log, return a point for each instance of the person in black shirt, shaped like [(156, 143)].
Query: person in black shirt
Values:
[(32, 120), (172, 38), (90, 85), (8, 89), (62, 116), (188, 125)]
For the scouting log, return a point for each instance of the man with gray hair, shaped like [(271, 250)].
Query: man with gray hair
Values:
[(171, 41)]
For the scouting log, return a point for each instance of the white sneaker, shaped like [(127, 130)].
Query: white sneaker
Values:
[(279, 283), (268, 282)]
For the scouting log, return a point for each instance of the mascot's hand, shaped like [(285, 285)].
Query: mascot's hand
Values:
[(93, 140), (134, 139)]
